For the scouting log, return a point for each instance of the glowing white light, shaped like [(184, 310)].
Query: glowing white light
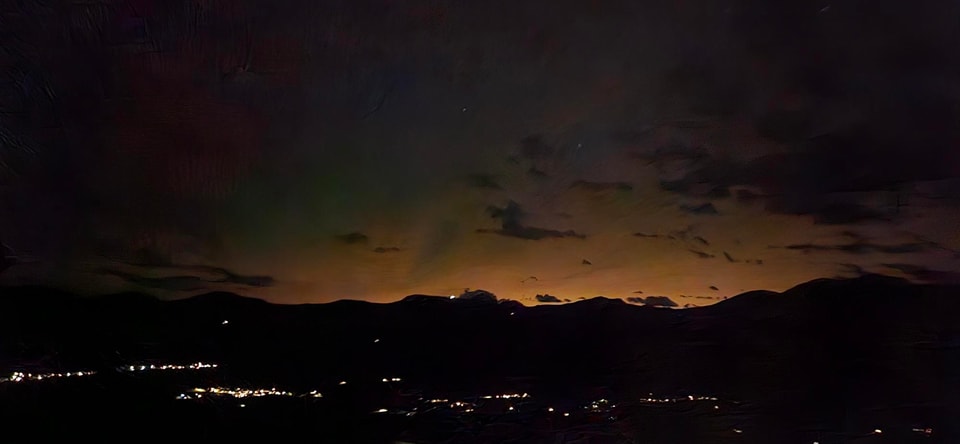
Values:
[(550, 409), (877, 431), (452, 297), (225, 322), (566, 414), (382, 411), (737, 431), (376, 340), (511, 408)]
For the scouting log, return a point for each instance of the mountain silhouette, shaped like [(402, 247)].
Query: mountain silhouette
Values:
[(802, 359)]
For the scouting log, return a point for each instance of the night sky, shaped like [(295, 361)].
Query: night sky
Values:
[(307, 151)]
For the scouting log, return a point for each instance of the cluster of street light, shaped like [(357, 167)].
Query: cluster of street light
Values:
[(600, 405), (149, 367), (25, 377), (199, 392), (19, 376), (240, 392), (650, 399), (597, 406)]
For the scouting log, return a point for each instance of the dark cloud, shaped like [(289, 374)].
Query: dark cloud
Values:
[(386, 250), (851, 269), (635, 300), (659, 301), (846, 214), (534, 172), (823, 212), (852, 234), (729, 258), (170, 283), (214, 275), (487, 181), (529, 278), (812, 178), (899, 135), (511, 216), (250, 281), (698, 189), (478, 296), (601, 186), (546, 298), (701, 254), (862, 247), (533, 147), (939, 246), (534, 233), (683, 234), (586, 262), (353, 238), (638, 234), (922, 273), (746, 195), (639, 292), (714, 288), (701, 240), (702, 209), (662, 155)]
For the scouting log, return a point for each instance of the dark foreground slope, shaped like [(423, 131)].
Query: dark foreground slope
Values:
[(827, 360)]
